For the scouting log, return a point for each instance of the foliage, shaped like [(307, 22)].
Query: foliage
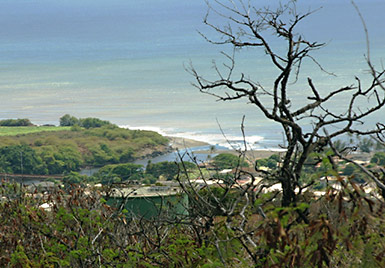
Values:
[(89, 122), (79, 230), (228, 225), (148, 179), (63, 151), (123, 172), (219, 198), (378, 158), (166, 169), (366, 144), (354, 172), (15, 123), (60, 159), (74, 178), (188, 166), (270, 162), (349, 169), (68, 120), (21, 159), (228, 161)]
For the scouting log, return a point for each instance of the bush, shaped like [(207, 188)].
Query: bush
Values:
[(92, 122), (89, 122), (78, 229), (68, 120), (228, 161), (270, 162), (74, 178), (21, 159), (124, 172), (15, 123), (166, 169), (349, 169), (378, 158)]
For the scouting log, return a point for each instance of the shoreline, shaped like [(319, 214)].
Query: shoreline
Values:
[(251, 155), (185, 143)]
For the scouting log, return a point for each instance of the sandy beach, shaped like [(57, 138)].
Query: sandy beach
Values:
[(183, 143)]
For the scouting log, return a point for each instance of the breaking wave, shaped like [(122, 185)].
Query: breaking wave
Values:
[(224, 141)]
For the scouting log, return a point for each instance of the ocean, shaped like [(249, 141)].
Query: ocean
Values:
[(124, 61)]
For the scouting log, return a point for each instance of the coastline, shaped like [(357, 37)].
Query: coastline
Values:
[(250, 155), (185, 143)]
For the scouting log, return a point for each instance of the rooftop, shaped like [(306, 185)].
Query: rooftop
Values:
[(150, 191)]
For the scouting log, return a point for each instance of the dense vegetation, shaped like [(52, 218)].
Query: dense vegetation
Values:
[(76, 229), (55, 152), (230, 223), (228, 161), (165, 169), (89, 122), (130, 173), (378, 159), (15, 123), (270, 162)]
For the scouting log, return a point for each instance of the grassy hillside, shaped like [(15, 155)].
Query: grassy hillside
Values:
[(13, 131), (54, 150)]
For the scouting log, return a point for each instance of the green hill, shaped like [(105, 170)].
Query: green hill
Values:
[(54, 150)]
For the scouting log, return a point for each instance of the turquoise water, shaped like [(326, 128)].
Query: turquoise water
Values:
[(124, 61)]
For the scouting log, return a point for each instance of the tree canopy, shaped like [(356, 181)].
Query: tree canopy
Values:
[(68, 150), (166, 169), (89, 122), (228, 161), (16, 123)]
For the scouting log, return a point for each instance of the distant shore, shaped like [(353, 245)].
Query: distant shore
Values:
[(183, 143), (250, 155)]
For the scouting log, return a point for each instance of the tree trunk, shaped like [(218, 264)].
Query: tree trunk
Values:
[(288, 197)]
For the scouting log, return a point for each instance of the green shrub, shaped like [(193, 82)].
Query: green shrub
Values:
[(15, 123), (166, 169), (228, 161)]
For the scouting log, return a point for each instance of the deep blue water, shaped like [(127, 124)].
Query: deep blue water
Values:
[(124, 61)]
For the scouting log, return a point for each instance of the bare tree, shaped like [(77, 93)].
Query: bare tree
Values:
[(309, 127)]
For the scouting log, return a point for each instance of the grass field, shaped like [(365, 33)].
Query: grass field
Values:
[(13, 131)]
